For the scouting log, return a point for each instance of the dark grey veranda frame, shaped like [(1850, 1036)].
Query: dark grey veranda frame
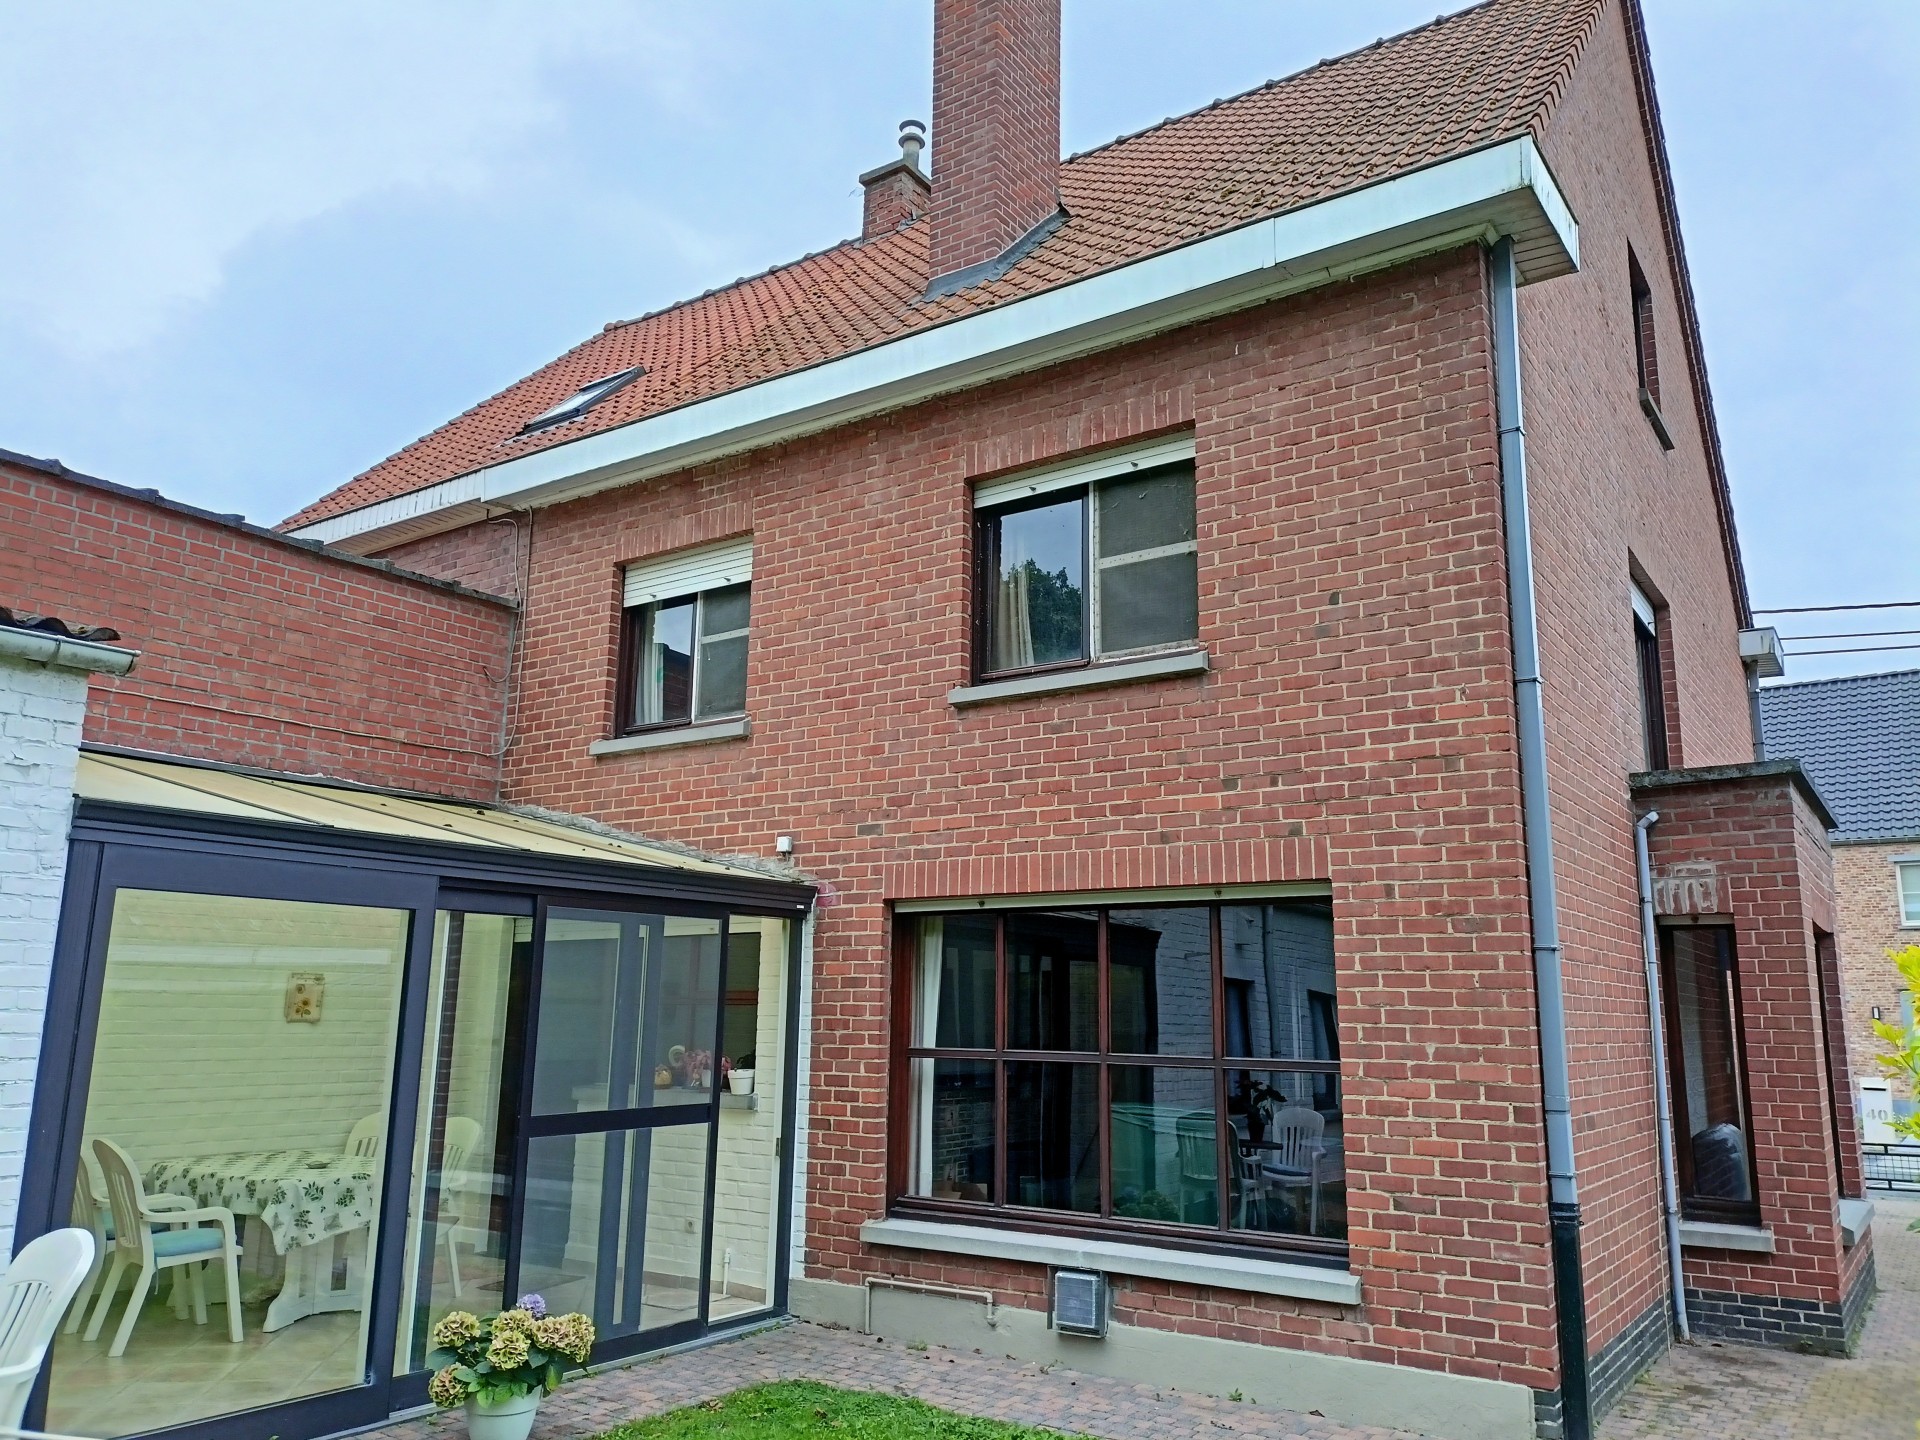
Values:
[(115, 847)]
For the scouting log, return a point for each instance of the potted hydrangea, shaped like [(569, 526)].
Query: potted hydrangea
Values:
[(501, 1366)]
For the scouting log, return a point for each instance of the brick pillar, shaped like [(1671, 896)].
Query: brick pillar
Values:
[(996, 126)]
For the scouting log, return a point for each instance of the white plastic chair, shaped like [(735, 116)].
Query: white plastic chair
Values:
[(192, 1242), (456, 1189), (368, 1138), (89, 1212), (1290, 1159), (34, 1294)]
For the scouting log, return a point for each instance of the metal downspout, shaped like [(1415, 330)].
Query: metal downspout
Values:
[(1563, 1201), (1662, 1101)]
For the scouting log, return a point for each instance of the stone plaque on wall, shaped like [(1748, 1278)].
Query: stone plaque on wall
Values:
[(1689, 889)]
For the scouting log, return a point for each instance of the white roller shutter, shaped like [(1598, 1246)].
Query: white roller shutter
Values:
[(688, 572), (1642, 606), (1084, 471)]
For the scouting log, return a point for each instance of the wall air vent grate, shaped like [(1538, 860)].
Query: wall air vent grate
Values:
[(1080, 1303)]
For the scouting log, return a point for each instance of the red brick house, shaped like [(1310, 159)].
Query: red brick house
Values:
[(1858, 736), (1214, 617)]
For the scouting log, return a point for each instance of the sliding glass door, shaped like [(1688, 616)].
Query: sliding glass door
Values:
[(602, 1098), (619, 1120)]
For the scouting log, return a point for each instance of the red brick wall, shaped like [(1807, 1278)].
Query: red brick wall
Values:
[(490, 557), (1776, 881), (261, 652), (996, 126), (891, 199), (1355, 727), (1607, 500)]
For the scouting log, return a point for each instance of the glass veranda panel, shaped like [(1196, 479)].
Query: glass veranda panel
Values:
[(753, 1036), (233, 1145), (469, 1109)]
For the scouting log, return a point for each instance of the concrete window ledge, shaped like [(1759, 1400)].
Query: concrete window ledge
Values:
[(664, 739), (1702, 1235), (1856, 1218), (1115, 672), (1227, 1272)]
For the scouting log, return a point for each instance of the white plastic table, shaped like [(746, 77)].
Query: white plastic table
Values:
[(307, 1200)]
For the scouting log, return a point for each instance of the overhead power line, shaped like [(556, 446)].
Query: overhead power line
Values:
[(1853, 635), (1853, 650), (1827, 609)]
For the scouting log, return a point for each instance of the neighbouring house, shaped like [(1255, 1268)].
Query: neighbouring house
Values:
[(1144, 681), (1859, 738)]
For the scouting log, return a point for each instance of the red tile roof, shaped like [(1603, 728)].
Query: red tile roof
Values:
[(1460, 83)]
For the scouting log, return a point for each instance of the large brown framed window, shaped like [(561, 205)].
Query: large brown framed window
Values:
[(1093, 572), (1163, 1070), (1706, 1062)]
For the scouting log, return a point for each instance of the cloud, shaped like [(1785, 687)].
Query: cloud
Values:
[(142, 146)]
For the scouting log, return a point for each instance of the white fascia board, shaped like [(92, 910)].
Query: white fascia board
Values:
[(1503, 189)]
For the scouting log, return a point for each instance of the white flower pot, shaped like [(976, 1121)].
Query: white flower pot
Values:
[(740, 1082), (509, 1420)]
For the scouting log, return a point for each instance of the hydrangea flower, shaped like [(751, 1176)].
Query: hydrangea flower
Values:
[(568, 1335), (509, 1349), (533, 1305), (445, 1390), (456, 1329), (514, 1322)]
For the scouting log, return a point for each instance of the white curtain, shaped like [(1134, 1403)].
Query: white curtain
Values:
[(1012, 623), (926, 1026)]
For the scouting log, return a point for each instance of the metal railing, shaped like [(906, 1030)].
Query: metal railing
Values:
[(1891, 1167)]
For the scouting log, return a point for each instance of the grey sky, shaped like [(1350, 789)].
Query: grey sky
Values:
[(251, 249)]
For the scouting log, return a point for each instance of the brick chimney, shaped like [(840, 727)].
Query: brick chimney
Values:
[(897, 190), (996, 128)]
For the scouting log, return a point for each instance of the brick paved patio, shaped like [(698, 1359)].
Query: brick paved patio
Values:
[(1733, 1392), (1703, 1392), (961, 1380)]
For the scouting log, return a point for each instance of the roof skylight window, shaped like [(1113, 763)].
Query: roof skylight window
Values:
[(582, 400)]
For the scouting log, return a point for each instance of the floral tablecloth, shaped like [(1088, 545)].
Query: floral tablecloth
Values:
[(300, 1195)]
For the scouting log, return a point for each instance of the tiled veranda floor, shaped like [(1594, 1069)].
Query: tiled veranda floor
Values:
[(1701, 1392)]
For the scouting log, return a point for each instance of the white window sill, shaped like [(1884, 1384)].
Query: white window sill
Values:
[(1856, 1218), (1703, 1235), (663, 739), (1114, 672), (1115, 1257)]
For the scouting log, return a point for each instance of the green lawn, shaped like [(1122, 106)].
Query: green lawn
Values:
[(801, 1407)]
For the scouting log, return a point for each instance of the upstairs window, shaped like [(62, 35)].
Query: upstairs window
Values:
[(1908, 878), (1654, 753), (683, 654), (1082, 566), (1646, 355)]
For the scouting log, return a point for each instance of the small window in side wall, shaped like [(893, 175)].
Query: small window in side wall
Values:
[(1707, 1074), (1907, 877), (1646, 357), (1091, 573), (1654, 750)]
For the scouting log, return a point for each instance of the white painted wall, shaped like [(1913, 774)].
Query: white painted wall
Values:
[(41, 710), (195, 1055)]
